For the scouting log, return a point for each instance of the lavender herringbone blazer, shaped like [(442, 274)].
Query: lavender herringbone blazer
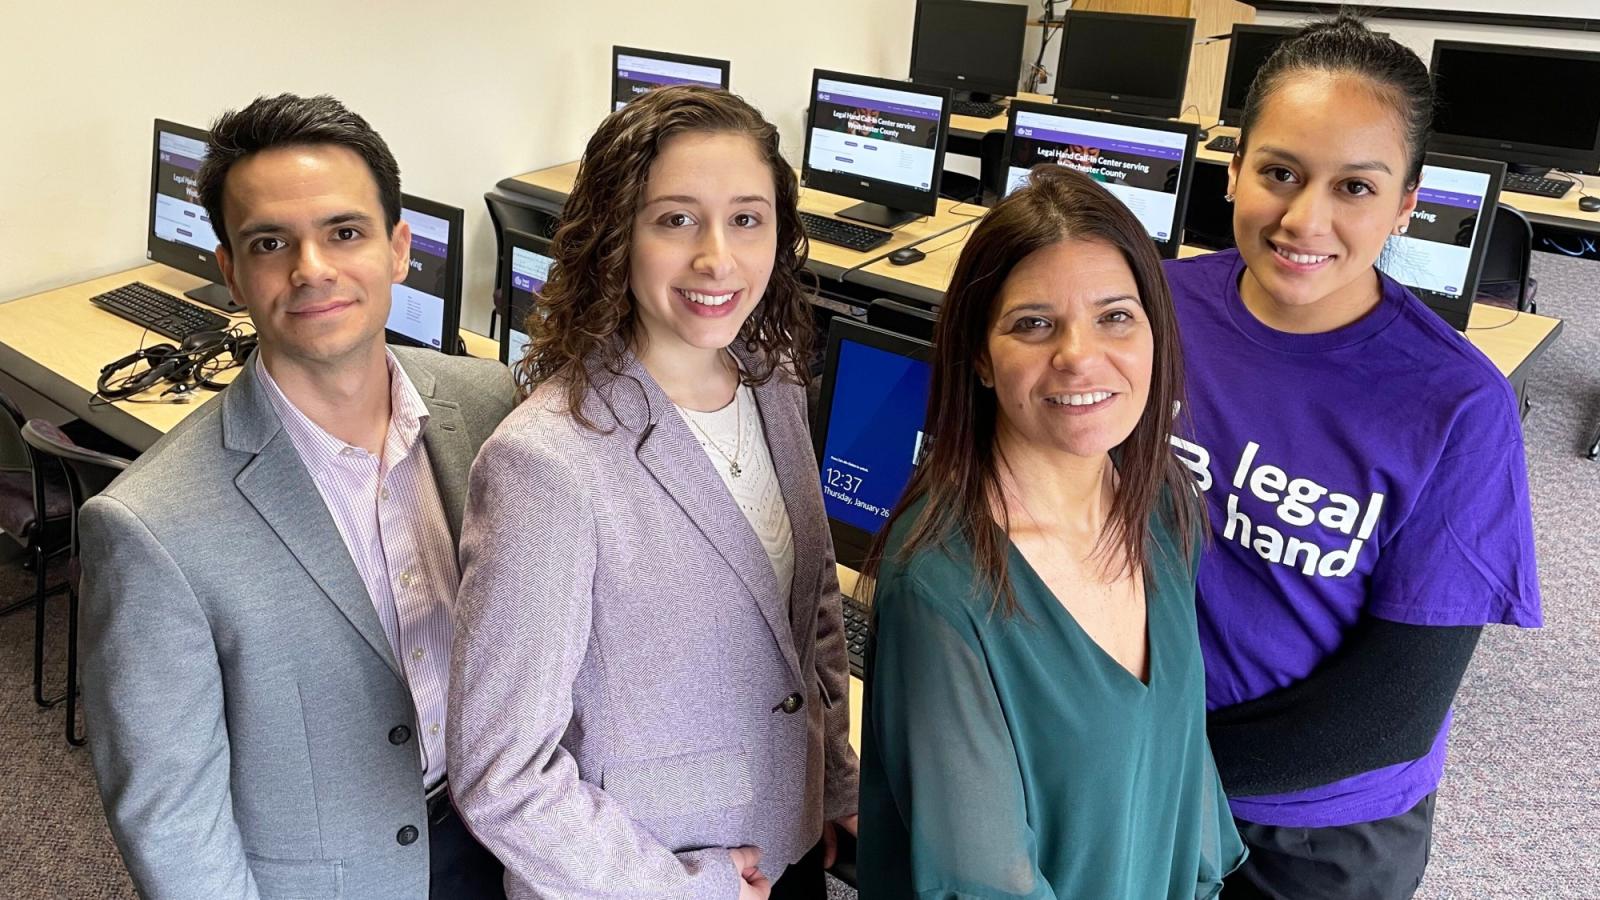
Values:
[(622, 660)]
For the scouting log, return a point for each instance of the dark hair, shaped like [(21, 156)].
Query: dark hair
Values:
[(287, 121), (586, 316), (1344, 45), (960, 475)]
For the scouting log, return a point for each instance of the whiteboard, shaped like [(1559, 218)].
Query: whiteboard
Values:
[(1567, 9)]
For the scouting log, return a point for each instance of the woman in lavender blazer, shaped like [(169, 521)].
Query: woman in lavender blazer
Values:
[(649, 683)]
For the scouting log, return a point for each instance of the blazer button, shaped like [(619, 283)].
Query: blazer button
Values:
[(792, 703), (407, 836), (399, 734)]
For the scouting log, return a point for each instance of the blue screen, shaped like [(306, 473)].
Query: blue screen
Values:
[(874, 433)]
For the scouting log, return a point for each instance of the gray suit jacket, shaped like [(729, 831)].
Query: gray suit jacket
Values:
[(240, 695), (622, 660)]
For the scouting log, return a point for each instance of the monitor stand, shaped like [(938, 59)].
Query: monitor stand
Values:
[(878, 214), (215, 295), (1528, 169)]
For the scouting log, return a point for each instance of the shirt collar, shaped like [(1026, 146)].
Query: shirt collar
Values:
[(408, 414)]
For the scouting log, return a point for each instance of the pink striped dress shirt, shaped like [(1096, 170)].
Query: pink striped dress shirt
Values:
[(389, 513)]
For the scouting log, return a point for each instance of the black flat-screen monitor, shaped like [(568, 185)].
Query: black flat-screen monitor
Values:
[(527, 265), (1248, 48), (425, 310), (869, 435), (878, 140), (180, 233), (969, 45), (635, 72), (1145, 162), (1441, 254), (1532, 107), (1124, 62)]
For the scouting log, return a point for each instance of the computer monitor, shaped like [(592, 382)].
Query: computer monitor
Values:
[(527, 265), (1531, 107), (635, 72), (869, 434), (879, 141), (1124, 62), (1441, 253), (1146, 163), (425, 310), (969, 45), (180, 231), (1248, 48)]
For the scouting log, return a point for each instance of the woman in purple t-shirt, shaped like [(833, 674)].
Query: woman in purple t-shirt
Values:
[(1363, 473)]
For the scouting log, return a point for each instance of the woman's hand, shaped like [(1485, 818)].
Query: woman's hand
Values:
[(830, 838), (747, 862)]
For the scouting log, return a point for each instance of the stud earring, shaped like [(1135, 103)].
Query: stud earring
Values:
[(985, 382), (1403, 228), (1228, 197)]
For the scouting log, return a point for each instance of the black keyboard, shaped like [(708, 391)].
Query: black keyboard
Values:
[(844, 234), (1554, 188), (856, 617), (1224, 143), (975, 108), (158, 311)]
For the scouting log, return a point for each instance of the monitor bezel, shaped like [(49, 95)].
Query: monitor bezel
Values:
[(956, 81), (516, 239), (1457, 310), (1584, 160), (1168, 248), (617, 51), (449, 336), (850, 544), (184, 258), (872, 190), (1164, 107), (1231, 115)]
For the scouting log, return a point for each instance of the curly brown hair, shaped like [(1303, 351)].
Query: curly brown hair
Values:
[(585, 320)]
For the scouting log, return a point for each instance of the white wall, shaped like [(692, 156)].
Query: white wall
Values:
[(466, 93)]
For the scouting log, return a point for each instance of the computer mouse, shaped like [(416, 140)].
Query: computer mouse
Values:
[(1589, 204), (905, 256)]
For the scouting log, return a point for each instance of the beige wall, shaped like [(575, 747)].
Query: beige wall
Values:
[(465, 92)]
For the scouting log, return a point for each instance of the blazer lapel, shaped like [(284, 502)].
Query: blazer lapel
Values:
[(789, 438), (277, 484), (449, 447)]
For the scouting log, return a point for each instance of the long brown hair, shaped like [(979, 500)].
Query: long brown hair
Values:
[(960, 474), (585, 320)]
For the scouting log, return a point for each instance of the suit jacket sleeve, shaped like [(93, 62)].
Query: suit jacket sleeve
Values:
[(523, 618), (152, 691)]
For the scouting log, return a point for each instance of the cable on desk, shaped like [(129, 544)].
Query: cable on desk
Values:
[(1515, 315), (981, 210), (1200, 120)]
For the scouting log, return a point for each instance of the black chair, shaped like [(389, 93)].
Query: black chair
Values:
[(88, 473), (504, 213), (1504, 279), (35, 511)]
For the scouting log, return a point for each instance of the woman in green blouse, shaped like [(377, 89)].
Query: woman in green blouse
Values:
[(1035, 698)]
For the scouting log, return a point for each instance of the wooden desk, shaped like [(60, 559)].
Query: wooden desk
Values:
[(551, 186), (55, 342)]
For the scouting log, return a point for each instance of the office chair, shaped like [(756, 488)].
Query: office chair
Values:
[(35, 508), (88, 473), (1504, 279), (504, 213)]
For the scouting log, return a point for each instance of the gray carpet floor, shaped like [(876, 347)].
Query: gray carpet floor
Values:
[(1519, 810)]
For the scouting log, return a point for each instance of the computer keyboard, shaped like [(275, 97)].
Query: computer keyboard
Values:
[(856, 617), (1553, 188), (832, 231), (975, 108), (1224, 143), (158, 311)]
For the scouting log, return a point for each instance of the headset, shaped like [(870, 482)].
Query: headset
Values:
[(197, 363)]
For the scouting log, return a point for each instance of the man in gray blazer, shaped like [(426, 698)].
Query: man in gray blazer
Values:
[(268, 592)]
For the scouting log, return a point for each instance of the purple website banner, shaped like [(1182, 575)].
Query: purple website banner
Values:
[(182, 162), (653, 78), (525, 283), (433, 248), (882, 106), (1449, 198), (1104, 143)]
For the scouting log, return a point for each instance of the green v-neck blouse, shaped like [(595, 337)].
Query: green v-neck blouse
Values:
[(1014, 758)]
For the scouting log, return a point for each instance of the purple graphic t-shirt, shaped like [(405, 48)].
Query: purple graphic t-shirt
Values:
[(1374, 469)]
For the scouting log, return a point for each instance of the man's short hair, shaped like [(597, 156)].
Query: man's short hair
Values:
[(285, 121)]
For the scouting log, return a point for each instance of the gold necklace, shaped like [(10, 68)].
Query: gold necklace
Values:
[(738, 431)]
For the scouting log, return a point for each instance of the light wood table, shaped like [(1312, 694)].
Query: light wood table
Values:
[(55, 342)]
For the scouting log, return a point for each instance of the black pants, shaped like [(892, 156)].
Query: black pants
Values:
[(459, 868), (1382, 860), (803, 880)]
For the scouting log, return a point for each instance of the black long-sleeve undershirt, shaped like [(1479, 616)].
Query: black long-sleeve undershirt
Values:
[(1379, 701)]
